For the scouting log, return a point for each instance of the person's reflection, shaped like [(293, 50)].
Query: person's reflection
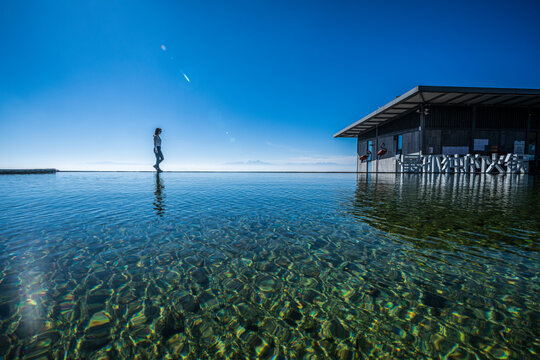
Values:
[(159, 206)]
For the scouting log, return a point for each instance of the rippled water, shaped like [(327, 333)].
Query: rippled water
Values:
[(130, 265)]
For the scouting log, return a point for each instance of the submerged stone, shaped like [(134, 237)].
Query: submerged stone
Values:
[(207, 301), (176, 343), (433, 300), (334, 329), (99, 319), (186, 303), (169, 324), (88, 344), (267, 284), (200, 277), (293, 316)]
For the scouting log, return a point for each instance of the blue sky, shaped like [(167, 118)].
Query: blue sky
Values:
[(84, 84)]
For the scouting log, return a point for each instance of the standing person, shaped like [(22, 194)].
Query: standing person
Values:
[(157, 149)]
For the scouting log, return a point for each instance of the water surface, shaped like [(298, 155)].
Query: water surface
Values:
[(135, 265)]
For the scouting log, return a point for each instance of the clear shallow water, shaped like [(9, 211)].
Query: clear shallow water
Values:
[(126, 265)]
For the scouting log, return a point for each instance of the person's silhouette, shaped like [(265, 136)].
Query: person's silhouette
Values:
[(157, 149)]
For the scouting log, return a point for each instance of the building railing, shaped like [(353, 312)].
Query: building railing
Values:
[(501, 164)]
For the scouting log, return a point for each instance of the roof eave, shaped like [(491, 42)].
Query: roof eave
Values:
[(403, 97), (421, 89)]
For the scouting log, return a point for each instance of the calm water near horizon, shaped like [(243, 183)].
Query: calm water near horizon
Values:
[(283, 266)]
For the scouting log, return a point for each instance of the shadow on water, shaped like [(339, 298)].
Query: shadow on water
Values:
[(440, 211), (159, 205)]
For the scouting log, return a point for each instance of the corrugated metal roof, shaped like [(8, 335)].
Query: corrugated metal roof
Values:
[(443, 95)]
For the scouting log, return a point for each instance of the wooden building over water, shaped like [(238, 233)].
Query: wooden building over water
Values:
[(451, 129)]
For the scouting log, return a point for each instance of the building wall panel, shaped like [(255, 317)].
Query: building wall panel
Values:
[(535, 119), (497, 118), (433, 141), (411, 142), (387, 165), (361, 150), (455, 137), (387, 162), (362, 147), (449, 117)]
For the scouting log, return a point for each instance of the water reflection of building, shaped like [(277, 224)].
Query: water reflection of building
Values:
[(159, 205), (442, 120), (471, 209)]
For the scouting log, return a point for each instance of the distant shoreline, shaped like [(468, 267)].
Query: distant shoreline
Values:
[(53, 171), (27, 171)]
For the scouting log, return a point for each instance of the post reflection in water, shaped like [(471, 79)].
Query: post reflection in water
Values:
[(451, 209), (159, 205)]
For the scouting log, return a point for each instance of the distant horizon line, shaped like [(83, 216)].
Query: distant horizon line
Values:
[(53, 170), (217, 171)]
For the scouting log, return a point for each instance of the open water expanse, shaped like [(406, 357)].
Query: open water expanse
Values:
[(282, 266)]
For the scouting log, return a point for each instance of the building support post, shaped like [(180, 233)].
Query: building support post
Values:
[(473, 130), (422, 127), (536, 145), (527, 132), (374, 156), (357, 153)]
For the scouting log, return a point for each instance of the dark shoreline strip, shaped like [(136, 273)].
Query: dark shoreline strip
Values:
[(26, 171)]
